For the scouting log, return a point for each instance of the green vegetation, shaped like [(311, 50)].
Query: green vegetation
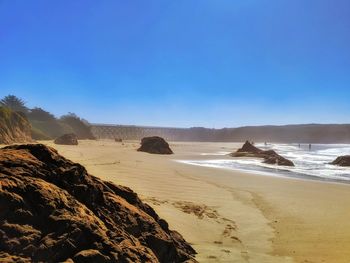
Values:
[(39, 135), (79, 126), (14, 103), (8, 116), (14, 126), (45, 125)]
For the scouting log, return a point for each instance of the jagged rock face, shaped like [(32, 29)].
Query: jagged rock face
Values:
[(67, 139), (249, 148), (342, 160), (269, 156), (52, 210), (156, 145), (14, 127)]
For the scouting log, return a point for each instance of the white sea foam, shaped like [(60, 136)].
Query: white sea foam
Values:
[(217, 153), (312, 163)]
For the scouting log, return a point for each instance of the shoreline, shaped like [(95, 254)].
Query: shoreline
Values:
[(228, 216), (277, 174)]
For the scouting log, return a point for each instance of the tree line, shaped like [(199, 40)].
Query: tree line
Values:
[(44, 124)]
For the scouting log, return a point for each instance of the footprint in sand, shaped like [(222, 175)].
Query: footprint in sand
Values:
[(198, 210)]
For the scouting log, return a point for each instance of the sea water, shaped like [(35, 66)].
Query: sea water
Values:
[(309, 163)]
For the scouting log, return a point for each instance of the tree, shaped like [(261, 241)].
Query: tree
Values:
[(14, 103), (40, 115), (80, 127)]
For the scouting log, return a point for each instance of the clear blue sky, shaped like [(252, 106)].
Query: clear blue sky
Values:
[(221, 63)]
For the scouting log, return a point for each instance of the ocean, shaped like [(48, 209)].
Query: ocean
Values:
[(311, 163)]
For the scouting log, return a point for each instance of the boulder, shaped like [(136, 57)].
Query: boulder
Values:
[(14, 127), (269, 156), (67, 139), (156, 145), (342, 160), (52, 210), (248, 147), (279, 160)]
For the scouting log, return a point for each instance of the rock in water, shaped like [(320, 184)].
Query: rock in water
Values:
[(67, 139), (14, 127), (342, 160), (249, 148), (274, 158), (270, 156), (155, 145), (52, 210)]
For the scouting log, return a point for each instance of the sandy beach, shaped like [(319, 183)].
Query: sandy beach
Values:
[(228, 216)]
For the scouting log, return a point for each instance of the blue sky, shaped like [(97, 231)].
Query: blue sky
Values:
[(180, 63)]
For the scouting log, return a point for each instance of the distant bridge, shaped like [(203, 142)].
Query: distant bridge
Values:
[(132, 132), (304, 133)]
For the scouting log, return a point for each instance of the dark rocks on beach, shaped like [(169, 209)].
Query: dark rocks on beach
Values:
[(67, 139), (342, 160), (52, 210), (118, 140), (274, 158), (249, 148), (269, 156), (156, 145)]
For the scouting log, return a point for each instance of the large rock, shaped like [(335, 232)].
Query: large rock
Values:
[(342, 160), (67, 139), (52, 210), (155, 145), (14, 127), (269, 156), (249, 148)]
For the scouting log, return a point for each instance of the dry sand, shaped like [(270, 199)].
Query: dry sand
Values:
[(228, 216)]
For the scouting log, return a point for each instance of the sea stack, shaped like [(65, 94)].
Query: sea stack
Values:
[(52, 210), (155, 145), (269, 156), (342, 161), (67, 139)]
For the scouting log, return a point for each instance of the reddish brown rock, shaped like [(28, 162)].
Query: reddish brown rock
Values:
[(67, 139), (156, 145), (342, 160), (269, 156), (52, 210)]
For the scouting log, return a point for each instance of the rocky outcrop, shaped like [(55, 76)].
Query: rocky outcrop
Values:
[(67, 139), (342, 160), (156, 145), (249, 148), (270, 156), (52, 210), (14, 127)]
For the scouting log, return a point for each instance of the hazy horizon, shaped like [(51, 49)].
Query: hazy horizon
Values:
[(218, 128), (180, 64)]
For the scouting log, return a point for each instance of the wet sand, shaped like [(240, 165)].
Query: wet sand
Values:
[(228, 216)]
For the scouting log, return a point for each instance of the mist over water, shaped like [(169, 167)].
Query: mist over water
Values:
[(311, 163)]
